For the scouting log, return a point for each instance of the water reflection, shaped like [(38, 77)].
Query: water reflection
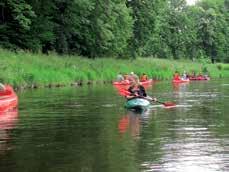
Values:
[(8, 119), (180, 87), (130, 123), (7, 123), (88, 129), (193, 136), (191, 151)]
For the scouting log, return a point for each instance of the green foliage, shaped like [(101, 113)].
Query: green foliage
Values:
[(219, 67), (15, 22), (109, 29), (118, 28), (21, 12)]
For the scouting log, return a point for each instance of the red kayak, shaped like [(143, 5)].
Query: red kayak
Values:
[(127, 82), (8, 99), (180, 80), (149, 81), (124, 82), (199, 78)]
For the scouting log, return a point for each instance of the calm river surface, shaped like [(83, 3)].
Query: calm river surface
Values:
[(87, 129)]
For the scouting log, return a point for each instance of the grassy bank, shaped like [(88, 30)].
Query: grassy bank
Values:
[(25, 69)]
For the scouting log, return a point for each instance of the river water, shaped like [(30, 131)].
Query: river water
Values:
[(87, 129)]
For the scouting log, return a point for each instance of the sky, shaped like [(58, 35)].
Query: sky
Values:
[(190, 2)]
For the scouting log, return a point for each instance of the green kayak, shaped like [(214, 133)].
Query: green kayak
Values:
[(137, 103)]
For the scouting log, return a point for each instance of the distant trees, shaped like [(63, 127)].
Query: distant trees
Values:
[(124, 28), (15, 21)]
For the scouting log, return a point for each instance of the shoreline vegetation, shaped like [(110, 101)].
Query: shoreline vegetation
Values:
[(27, 70), (97, 32)]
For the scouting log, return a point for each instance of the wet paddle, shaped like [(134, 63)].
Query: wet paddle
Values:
[(167, 104)]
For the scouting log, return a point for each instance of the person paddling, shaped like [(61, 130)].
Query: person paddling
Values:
[(120, 77), (184, 76), (176, 76), (137, 91), (143, 77)]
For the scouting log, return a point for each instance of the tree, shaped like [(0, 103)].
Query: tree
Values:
[(15, 21), (144, 14), (213, 29), (106, 28)]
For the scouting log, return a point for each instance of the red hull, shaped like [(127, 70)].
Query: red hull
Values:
[(8, 99), (199, 78), (180, 81), (126, 82)]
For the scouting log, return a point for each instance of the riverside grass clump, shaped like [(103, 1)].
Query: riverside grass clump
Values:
[(24, 69)]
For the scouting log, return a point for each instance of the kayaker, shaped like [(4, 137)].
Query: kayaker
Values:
[(137, 90), (125, 76), (184, 76), (2, 87), (133, 76), (120, 77), (176, 76), (143, 77)]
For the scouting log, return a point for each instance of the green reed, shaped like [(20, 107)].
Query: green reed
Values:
[(27, 69)]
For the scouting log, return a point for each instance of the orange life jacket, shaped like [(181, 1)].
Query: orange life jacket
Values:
[(176, 76)]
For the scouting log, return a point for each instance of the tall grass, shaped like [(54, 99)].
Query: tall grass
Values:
[(26, 69)]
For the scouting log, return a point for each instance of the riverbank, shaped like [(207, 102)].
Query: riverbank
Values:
[(24, 70)]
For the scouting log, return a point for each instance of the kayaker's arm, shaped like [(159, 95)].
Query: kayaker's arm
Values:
[(150, 98), (131, 96)]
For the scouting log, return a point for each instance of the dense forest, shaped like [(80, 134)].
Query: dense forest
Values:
[(118, 28)]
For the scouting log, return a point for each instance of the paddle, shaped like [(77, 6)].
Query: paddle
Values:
[(124, 92), (167, 104)]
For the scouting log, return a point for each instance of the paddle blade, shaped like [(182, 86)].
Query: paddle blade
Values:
[(169, 104)]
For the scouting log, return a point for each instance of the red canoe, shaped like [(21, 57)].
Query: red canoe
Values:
[(127, 82), (8, 99)]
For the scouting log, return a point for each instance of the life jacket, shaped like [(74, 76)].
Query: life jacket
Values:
[(140, 91), (176, 76)]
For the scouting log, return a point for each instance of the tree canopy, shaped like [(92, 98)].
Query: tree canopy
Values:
[(118, 28)]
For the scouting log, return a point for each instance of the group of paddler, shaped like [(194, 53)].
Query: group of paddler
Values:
[(186, 76), (136, 95), (134, 91), (131, 76)]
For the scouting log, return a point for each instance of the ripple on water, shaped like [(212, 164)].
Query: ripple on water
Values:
[(225, 84), (108, 105), (77, 129)]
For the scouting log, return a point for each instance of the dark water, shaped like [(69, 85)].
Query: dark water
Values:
[(88, 130)]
